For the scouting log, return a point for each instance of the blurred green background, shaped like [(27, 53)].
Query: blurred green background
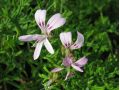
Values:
[(97, 20)]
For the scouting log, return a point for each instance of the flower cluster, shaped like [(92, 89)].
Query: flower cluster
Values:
[(66, 38), (54, 22)]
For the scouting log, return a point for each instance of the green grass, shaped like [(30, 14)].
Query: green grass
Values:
[(97, 20)]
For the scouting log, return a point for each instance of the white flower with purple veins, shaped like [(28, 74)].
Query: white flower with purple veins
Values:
[(68, 62), (66, 39), (54, 22)]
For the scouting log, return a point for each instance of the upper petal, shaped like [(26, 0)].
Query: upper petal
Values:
[(77, 68), (56, 69), (54, 22), (67, 61), (40, 16), (48, 46), (37, 50), (79, 42), (81, 62), (66, 38), (29, 37)]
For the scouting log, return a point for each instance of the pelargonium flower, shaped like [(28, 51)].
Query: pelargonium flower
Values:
[(68, 62), (54, 22), (66, 39)]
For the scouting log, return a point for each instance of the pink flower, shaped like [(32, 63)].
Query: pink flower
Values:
[(66, 39), (68, 62), (54, 22)]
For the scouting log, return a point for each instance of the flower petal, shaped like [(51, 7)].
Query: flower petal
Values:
[(77, 68), (48, 83), (81, 62), (56, 69), (40, 16), (48, 46), (66, 39), (68, 73), (67, 61), (37, 50), (29, 37), (79, 42), (54, 22)]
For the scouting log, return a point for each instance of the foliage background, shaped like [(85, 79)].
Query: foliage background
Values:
[(97, 20)]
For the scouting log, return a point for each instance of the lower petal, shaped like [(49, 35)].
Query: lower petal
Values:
[(68, 73), (37, 50), (57, 69), (48, 46), (81, 62), (77, 68), (26, 38)]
